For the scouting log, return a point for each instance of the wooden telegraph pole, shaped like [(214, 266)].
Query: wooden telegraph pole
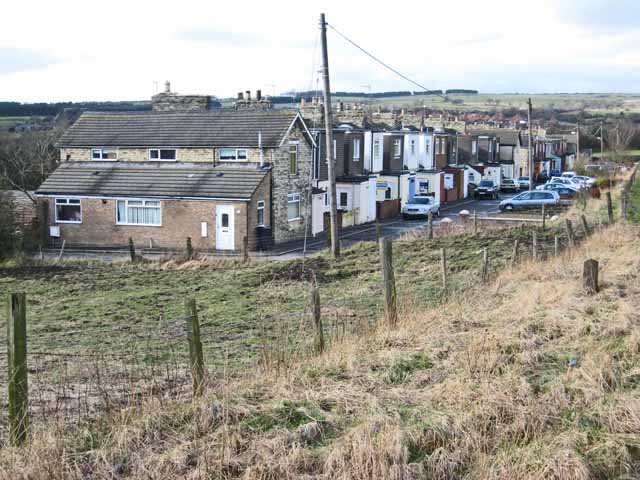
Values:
[(531, 162), (328, 126)]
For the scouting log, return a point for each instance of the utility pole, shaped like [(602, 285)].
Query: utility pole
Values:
[(601, 140), (531, 161), (328, 127), (578, 143)]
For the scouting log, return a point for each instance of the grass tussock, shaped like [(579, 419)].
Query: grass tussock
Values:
[(527, 377)]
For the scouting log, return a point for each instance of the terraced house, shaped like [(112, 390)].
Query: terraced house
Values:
[(160, 177)]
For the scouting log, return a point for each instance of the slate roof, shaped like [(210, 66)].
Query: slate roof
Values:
[(122, 179), (178, 129)]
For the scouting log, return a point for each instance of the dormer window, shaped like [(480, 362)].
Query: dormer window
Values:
[(162, 154), (106, 154)]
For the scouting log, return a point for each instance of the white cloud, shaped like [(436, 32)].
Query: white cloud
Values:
[(117, 50)]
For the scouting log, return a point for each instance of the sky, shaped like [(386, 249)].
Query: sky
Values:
[(125, 50)]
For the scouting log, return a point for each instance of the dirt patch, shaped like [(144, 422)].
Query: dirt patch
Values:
[(309, 270), (35, 270)]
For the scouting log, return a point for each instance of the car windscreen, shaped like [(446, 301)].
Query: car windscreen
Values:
[(486, 183), (420, 201)]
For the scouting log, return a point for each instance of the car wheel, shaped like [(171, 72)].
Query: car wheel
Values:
[(405, 217), (438, 213), (508, 206)]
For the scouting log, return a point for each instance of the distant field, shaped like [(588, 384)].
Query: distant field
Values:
[(8, 122), (628, 153)]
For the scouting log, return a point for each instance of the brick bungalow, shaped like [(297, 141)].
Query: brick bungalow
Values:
[(160, 177)]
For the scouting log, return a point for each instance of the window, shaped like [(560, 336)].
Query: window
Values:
[(293, 159), (326, 199), (162, 154), (356, 149), (376, 148), (474, 147), (261, 213), (68, 210), (387, 193), (413, 147), (232, 154), (109, 154), (293, 206), (344, 199), (138, 212), (335, 149), (397, 148)]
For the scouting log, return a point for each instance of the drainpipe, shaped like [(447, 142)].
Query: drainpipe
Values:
[(260, 148)]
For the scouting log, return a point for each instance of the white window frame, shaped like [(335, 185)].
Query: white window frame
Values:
[(413, 146), (294, 198), (340, 205), (397, 148), (356, 149), (335, 149), (260, 208), (65, 201), (126, 211), (238, 155), (174, 159), (102, 152), (376, 148), (295, 146)]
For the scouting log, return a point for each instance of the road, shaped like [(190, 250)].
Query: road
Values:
[(394, 227)]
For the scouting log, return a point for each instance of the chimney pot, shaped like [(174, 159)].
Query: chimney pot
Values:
[(240, 96), (248, 92), (258, 95), (167, 87)]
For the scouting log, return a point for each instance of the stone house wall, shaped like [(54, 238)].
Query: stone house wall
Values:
[(190, 155)]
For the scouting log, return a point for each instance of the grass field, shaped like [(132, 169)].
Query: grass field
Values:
[(628, 153), (526, 377)]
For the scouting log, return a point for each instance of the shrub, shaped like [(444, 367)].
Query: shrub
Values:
[(9, 235)]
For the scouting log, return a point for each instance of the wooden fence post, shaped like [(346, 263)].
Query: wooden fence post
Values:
[(544, 217), (378, 231), (132, 250), (585, 225), (17, 368), (534, 246), (590, 276), (569, 227), (609, 208), (623, 205), (245, 249), (189, 249), (318, 338), (64, 242), (430, 225), (196, 358), (388, 281), (556, 245), (443, 267), (485, 265), (475, 222), (514, 255)]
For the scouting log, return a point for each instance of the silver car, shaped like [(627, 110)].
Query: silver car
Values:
[(532, 199), (420, 206)]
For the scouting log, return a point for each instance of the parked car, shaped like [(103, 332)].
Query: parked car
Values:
[(523, 183), (509, 185), (555, 173), (564, 191), (420, 206), (486, 189), (589, 181), (531, 199), (562, 180), (556, 186), (568, 174)]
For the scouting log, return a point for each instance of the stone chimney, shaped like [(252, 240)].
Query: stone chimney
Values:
[(168, 101), (167, 86)]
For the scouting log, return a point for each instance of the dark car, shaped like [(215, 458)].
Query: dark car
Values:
[(486, 189), (563, 191), (509, 185), (555, 173)]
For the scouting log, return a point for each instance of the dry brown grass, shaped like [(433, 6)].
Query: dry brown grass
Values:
[(526, 378)]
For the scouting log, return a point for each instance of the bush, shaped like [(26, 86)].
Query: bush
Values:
[(9, 235)]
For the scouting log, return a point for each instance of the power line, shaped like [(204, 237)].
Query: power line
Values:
[(377, 59)]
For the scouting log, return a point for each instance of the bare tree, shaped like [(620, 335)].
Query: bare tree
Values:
[(27, 159)]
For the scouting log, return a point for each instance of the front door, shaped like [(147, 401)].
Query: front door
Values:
[(225, 233)]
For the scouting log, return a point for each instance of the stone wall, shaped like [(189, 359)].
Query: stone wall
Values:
[(284, 184), (172, 102), (190, 155)]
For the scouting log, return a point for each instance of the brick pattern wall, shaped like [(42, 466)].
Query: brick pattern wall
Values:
[(284, 184), (180, 219)]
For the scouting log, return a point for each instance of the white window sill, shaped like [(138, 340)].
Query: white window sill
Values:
[(159, 160), (137, 224), (69, 222), (294, 219)]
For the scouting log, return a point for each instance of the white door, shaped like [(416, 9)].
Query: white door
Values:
[(224, 227)]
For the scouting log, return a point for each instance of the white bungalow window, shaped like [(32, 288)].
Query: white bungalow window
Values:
[(397, 148), (162, 154), (68, 210), (356, 149), (232, 154), (344, 200), (376, 148), (293, 206), (107, 154), (139, 212)]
